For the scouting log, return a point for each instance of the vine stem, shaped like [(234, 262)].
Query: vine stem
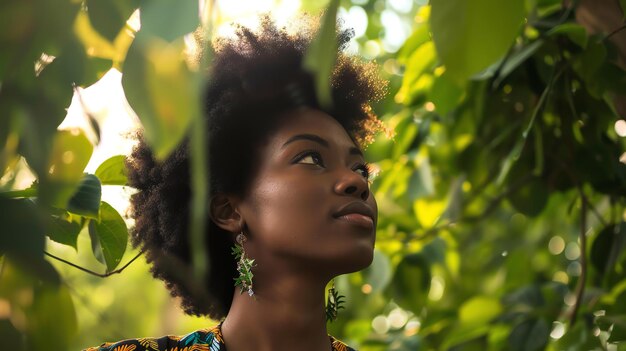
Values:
[(30, 192), (580, 288), (101, 275), (615, 31)]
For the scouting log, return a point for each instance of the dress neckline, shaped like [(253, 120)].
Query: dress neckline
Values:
[(336, 345)]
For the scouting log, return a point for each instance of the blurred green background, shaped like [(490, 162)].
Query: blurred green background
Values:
[(501, 192)]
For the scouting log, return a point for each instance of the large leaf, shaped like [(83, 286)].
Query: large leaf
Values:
[(52, 313), (108, 17), (161, 90), (70, 154), (445, 94), (112, 171), (22, 231), (22, 239), (420, 35), (411, 283), (421, 60), (111, 236), (531, 198), (321, 55), (169, 19), (64, 228), (86, 200), (469, 36)]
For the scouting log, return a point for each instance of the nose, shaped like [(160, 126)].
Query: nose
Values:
[(352, 184)]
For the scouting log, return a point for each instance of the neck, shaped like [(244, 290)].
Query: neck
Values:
[(287, 313)]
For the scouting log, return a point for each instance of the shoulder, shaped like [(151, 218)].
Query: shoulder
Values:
[(338, 345), (201, 340)]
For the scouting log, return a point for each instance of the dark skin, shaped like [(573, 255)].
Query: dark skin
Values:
[(309, 169)]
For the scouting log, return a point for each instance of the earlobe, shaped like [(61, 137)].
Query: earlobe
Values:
[(224, 213)]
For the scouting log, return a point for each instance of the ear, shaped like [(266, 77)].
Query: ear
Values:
[(224, 214)]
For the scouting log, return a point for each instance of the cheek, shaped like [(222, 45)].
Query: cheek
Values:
[(288, 209)]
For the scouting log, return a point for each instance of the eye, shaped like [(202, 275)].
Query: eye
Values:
[(365, 170), (311, 158)]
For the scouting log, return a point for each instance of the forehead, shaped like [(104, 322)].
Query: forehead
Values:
[(311, 121)]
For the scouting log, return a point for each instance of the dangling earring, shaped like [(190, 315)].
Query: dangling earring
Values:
[(244, 266), (334, 303)]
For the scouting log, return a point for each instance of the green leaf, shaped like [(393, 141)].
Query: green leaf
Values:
[(579, 337), (378, 275), (112, 171), (110, 235), (529, 335), (419, 62), (575, 32), (411, 283), (86, 200), (321, 55), (516, 59), (169, 19), (22, 239), (606, 249), (64, 228), (589, 63), (469, 36), (618, 330), (421, 182), (161, 90), (623, 5), (531, 198), (22, 229), (12, 338), (445, 94), (108, 17), (52, 313), (435, 251), (70, 154), (420, 35), (479, 310)]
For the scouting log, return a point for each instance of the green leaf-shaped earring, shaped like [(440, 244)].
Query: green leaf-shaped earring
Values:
[(334, 303), (244, 266)]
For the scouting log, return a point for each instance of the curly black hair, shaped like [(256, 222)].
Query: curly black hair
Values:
[(255, 78)]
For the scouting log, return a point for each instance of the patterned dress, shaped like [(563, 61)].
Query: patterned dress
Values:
[(201, 340)]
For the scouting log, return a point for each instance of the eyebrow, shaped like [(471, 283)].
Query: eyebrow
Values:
[(317, 139)]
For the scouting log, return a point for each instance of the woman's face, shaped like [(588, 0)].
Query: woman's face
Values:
[(309, 204)]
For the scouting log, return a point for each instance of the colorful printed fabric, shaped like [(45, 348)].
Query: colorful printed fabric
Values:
[(201, 340)]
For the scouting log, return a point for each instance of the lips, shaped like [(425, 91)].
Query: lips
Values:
[(358, 213)]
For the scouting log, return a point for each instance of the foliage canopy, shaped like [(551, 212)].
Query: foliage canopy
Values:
[(501, 194)]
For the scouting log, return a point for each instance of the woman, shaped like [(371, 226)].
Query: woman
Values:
[(289, 197)]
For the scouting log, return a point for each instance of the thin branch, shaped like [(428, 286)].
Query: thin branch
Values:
[(2, 262), (570, 101), (615, 31), (101, 275), (580, 288)]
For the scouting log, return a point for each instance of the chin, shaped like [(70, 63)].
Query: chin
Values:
[(357, 260)]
